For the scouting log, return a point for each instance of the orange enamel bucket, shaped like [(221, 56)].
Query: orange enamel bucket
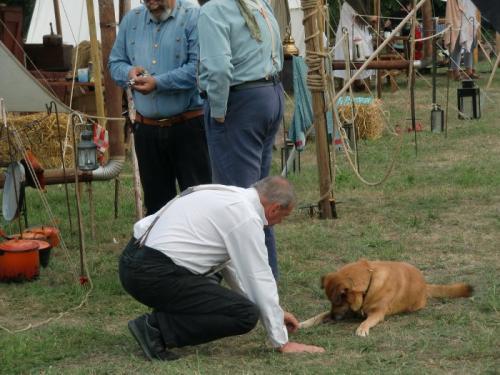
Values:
[(19, 260)]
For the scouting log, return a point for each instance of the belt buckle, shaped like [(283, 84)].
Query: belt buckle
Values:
[(164, 122)]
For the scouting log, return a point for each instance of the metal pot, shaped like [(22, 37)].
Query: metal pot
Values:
[(50, 233), (19, 260), (44, 245)]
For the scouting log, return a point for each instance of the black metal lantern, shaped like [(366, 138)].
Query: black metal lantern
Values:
[(87, 152), (469, 100), (437, 119), (348, 128)]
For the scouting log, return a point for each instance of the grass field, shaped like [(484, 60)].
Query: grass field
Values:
[(439, 210)]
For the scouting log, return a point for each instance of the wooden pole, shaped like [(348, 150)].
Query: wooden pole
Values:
[(411, 83), (124, 7), (497, 62), (478, 36), (427, 30), (379, 73), (96, 60), (57, 16), (113, 92), (314, 47)]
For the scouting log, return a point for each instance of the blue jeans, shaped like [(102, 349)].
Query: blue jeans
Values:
[(241, 148)]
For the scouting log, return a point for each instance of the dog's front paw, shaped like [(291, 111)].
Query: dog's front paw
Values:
[(363, 331)]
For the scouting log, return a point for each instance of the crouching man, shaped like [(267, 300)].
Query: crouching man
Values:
[(170, 263)]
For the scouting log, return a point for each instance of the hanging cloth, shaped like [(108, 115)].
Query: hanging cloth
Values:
[(303, 113)]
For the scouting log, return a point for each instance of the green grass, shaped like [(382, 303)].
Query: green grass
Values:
[(439, 210)]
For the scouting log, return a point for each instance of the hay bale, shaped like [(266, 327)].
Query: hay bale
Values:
[(37, 132), (368, 117)]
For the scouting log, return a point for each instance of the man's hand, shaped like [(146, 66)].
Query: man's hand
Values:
[(291, 323), (135, 72), (295, 347), (144, 84)]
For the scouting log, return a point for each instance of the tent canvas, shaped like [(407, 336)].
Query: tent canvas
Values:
[(20, 90), (74, 23)]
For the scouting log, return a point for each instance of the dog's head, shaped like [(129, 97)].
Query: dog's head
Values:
[(346, 288)]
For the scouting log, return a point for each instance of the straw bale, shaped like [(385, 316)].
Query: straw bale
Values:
[(39, 133), (368, 120)]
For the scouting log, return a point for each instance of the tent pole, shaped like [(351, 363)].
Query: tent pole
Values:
[(96, 60), (57, 15)]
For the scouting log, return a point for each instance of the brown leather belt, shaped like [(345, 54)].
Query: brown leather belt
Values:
[(168, 121)]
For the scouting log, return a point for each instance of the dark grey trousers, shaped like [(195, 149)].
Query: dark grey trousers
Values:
[(189, 309)]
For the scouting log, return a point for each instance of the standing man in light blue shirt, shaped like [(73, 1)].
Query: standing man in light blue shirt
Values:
[(156, 54), (240, 61)]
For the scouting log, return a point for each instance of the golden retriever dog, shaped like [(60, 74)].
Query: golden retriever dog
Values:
[(378, 289)]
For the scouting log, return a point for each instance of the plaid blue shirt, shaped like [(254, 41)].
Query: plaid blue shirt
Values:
[(168, 50)]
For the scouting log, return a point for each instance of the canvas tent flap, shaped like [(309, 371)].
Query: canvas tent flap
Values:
[(20, 90)]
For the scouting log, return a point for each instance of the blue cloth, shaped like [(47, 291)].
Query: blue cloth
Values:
[(241, 148), (303, 114), (228, 53), (168, 50)]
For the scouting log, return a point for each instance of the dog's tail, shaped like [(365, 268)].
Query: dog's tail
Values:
[(451, 290), (315, 320)]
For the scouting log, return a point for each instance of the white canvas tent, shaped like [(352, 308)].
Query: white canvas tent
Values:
[(20, 90), (74, 21)]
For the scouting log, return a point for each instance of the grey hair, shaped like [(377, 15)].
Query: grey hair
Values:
[(276, 189)]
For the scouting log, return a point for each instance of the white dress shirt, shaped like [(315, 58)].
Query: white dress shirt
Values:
[(214, 223)]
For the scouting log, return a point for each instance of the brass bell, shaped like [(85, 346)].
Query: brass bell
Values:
[(289, 47)]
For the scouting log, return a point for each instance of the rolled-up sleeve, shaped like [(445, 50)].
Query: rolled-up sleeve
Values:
[(216, 68), (248, 253)]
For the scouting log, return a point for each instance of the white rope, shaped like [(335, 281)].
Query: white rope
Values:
[(62, 244)]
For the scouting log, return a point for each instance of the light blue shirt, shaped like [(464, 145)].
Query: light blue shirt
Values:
[(228, 53), (168, 50)]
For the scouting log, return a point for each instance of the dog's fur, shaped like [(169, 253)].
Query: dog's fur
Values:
[(377, 289)]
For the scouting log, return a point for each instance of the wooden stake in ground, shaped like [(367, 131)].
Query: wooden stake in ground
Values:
[(316, 80)]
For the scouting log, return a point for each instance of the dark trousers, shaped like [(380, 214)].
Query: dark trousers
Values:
[(168, 155), (241, 148), (189, 309)]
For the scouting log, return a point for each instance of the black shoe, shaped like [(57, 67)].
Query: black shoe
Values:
[(149, 339)]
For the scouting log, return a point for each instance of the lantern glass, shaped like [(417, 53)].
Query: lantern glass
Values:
[(467, 107), (469, 101), (437, 119), (87, 152)]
